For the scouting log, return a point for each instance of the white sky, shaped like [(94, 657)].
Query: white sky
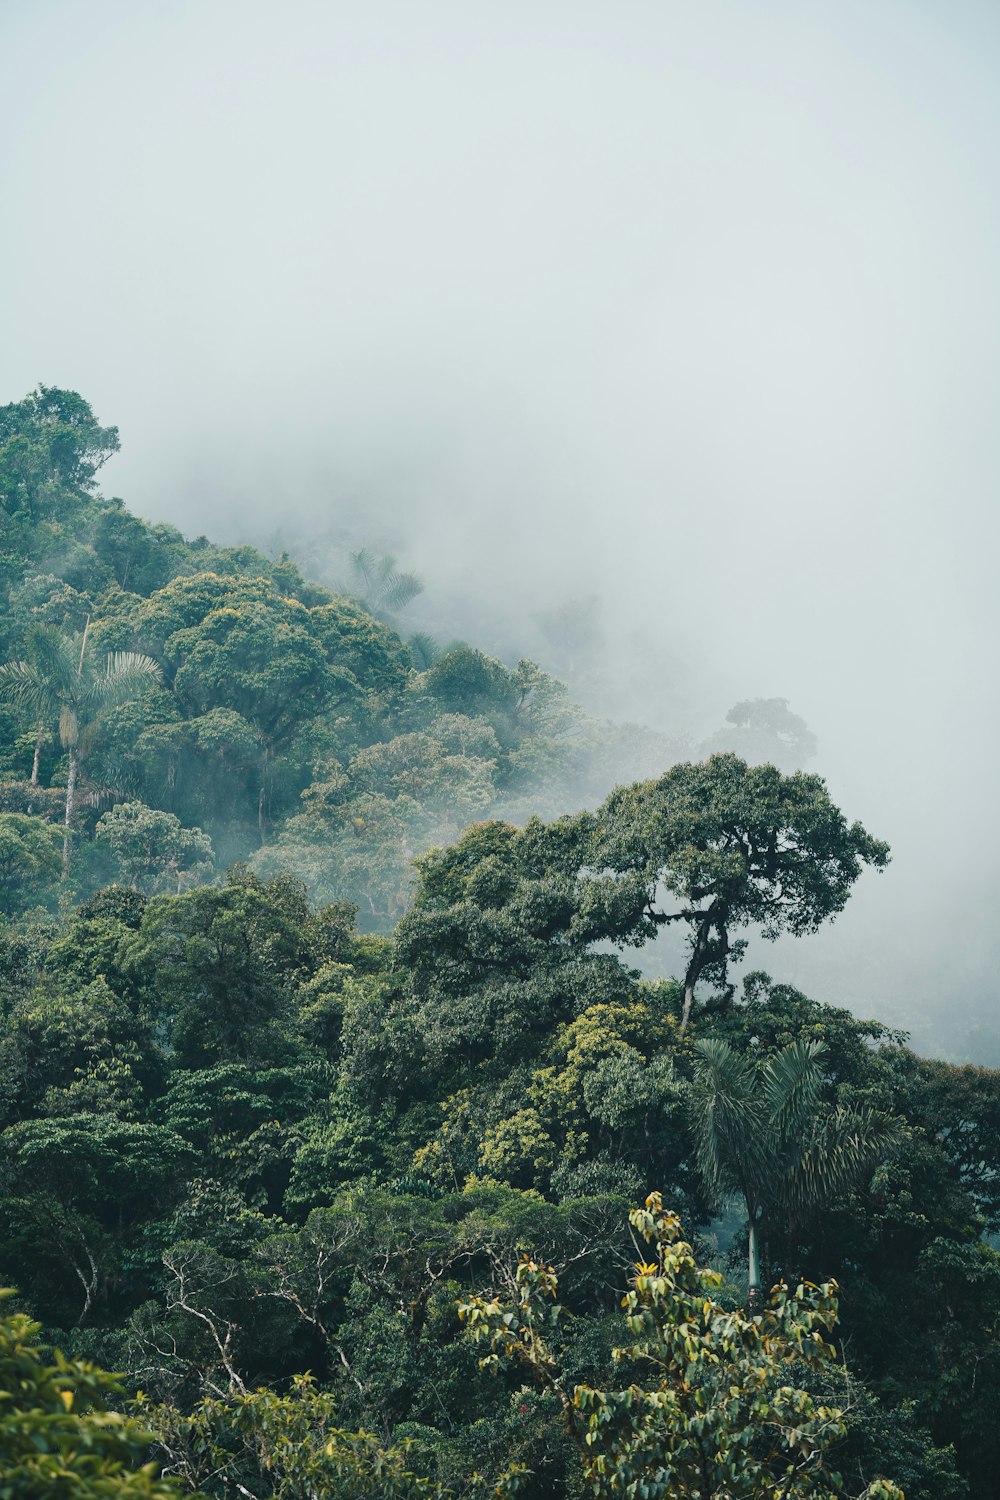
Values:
[(694, 305)]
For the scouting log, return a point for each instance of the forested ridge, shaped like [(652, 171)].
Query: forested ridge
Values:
[(336, 1116)]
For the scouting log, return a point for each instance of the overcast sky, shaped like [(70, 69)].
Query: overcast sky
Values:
[(691, 305)]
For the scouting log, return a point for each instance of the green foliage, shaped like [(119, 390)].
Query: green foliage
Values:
[(272, 690), (29, 859), (423, 650), (68, 1048), (732, 846), (759, 1132), (50, 443), (382, 587), (64, 682), (58, 1438), (465, 681), (140, 557), (887, 1440), (712, 1410), (243, 1142), (153, 850), (221, 963), (256, 680), (76, 1189), (286, 1447), (257, 661), (241, 1139)]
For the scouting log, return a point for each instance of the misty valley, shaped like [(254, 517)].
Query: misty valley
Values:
[(349, 1118)]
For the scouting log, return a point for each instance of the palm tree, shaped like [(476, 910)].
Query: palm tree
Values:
[(64, 680), (761, 1132), (382, 588), (424, 650)]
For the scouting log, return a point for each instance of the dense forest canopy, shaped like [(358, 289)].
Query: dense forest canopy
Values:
[(329, 1083)]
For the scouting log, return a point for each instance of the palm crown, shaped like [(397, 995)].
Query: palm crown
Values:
[(382, 586), (761, 1131)]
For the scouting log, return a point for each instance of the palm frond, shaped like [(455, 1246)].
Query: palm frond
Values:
[(117, 778), (791, 1081), (838, 1151), (56, 659), (136, 663), (382, 586), (22, 686), (424, 650), (399, 589), (727, 1117), (365, 564), (125, 675)]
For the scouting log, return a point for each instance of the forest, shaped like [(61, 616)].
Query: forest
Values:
[(345, 1149)]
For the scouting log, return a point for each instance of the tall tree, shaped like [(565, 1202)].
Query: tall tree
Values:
[(267, 665), (29, 859), (720, 845), (51, 447), (64, 680)]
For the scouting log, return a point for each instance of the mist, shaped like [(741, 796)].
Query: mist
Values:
[(690, 309)]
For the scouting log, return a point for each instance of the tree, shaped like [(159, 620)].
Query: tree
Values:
[(221, 966), (362, 826), (153, 849), (424, 650), (367, 647), (65, 681), (58, 1438), (465, 681), (288, 1447), (489, 952), (266, 665), (74, 1046), (50, 443), (381, 586), (74, 1187), (244, 1121), (713, 1411), (141, 557), (760, 1131), (764, 730), (734, 846), (252, 673), (29, 858)]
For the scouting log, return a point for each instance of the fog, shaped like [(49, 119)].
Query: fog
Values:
[(692, 308)]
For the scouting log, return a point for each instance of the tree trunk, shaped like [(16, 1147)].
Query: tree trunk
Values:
[(262, 801), (39, 740), (702, 953), (755, 1296), (689, 985), (695, 967), (70, 809)]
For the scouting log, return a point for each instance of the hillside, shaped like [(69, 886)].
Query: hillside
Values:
[(320, 1009)]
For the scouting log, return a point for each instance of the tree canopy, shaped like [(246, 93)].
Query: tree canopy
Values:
[(335, 1019)]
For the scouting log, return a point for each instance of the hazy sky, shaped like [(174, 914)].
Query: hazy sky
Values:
[(691, 305)]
